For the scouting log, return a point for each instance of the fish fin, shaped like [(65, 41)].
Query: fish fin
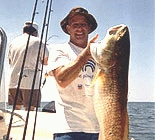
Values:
[(96, 76)]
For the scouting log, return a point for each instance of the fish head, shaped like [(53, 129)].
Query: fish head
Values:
[(107, 51)]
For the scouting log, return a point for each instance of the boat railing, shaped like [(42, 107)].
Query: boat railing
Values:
[(3, 42)]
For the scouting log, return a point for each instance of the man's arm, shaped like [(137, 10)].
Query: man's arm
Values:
[(66, 74), (45, 62)]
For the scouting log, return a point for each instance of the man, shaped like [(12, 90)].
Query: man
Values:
[(73, 68), (16, 55)]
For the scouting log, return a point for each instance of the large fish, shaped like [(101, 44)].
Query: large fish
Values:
[(111, 83)]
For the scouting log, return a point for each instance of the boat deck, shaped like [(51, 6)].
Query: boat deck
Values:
[(43, 127)]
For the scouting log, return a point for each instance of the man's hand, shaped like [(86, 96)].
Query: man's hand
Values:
[(89, 43)]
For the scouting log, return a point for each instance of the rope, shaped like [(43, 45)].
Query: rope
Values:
[(14, 114)]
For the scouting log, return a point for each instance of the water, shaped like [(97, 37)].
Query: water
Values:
[(142, 120)]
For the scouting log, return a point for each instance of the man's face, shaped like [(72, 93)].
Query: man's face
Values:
[(78, 28)]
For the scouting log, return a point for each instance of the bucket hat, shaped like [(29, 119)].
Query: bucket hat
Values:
[(76, 11)]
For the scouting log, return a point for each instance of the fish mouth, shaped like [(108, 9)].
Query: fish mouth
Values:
[(118, 30), (114, 29)]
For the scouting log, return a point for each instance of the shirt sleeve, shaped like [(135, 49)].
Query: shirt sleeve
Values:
[(57, 57), (46, 52), (42, 51)]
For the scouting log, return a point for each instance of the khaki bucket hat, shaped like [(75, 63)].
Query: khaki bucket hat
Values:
[(75, 11)]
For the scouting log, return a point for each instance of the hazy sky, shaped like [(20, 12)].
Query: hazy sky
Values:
[(138, 15)]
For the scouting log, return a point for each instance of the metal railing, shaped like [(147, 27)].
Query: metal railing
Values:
[(3, 39)]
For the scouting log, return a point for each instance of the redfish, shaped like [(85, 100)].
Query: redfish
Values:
[(111, 83)]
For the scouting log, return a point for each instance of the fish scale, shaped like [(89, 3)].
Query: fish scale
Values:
[(111, 83)]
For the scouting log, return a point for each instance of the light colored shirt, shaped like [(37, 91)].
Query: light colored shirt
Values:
[(74, 103), (16, 55)]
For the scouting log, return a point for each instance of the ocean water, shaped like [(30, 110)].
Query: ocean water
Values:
[(141, 120)]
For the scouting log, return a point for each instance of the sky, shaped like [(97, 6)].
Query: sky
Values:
[(138, 15)]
